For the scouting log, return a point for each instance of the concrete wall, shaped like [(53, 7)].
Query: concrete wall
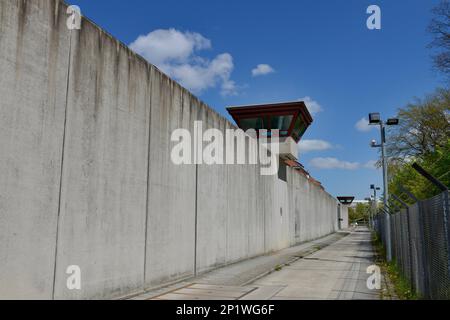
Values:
[(87, 180), (34, 60), (171, 195)]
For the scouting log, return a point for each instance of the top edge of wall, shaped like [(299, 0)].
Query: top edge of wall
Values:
[(142, 59)]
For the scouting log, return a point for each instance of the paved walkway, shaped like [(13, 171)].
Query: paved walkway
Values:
[(333, 267), (335, 272)]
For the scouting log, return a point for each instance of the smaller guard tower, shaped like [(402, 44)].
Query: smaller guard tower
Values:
[(345, 202)]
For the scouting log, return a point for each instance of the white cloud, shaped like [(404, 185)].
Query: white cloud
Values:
[(262, 69), (363, 125), (314, 145), (200, 76), (161, 46), (372, 164), (333, 163), (175, 53), (312, 105)]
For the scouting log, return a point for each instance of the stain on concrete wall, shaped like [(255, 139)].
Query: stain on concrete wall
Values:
[(87, 180), (171, 200), (34, 62), (104, 177)]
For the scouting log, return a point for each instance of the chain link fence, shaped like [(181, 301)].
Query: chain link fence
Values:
[(420, 244)]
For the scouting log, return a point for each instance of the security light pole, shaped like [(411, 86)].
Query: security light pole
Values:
[(375, 119), (374, 204), (369, 200), (385, 168)]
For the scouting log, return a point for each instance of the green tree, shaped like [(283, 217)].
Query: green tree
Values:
[(360, 212), (437, 163), (424, 126), (423, 136)]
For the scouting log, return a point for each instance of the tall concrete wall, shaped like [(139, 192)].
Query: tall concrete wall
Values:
[(34, 61), (87, 180), (171, 195)]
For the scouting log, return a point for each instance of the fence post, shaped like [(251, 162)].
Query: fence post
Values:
[(405, 205), (429, 177), (390, 210), (409, 194), (394, 206)]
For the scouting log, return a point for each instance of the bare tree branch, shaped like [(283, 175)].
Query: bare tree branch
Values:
[(440, 29)]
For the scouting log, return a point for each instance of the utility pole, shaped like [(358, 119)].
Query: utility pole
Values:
[(371, 211), (375, 119), (385, 166), (374, 202)]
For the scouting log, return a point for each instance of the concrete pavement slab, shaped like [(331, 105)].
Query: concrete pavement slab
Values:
[(263, 293), (336, 271)]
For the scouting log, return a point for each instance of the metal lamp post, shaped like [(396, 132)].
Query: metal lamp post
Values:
[(375, 119), (369, 200), (374, 205)]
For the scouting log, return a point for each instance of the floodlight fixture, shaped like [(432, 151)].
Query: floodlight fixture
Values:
[(392, 122), (374, 118)]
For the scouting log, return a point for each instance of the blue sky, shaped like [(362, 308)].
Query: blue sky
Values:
[(319, 49)]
